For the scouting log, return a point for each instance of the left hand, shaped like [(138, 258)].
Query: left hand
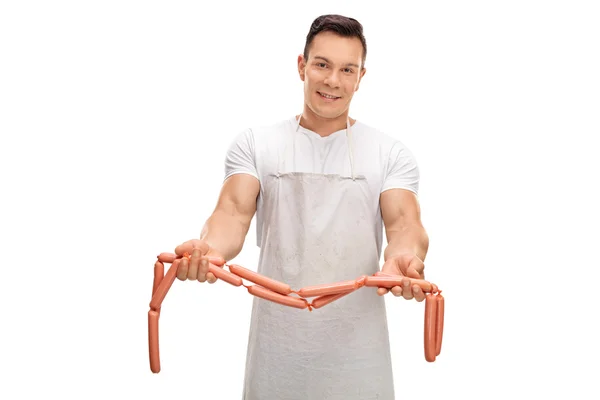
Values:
[(409, 265)]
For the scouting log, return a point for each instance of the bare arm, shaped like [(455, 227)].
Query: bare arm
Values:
[(408, 241), (225, 230), (405, 233)]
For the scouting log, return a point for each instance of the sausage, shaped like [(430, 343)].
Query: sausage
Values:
[(159, 273), (439, 323), (430, 325), (324, 300), (164, 286), (391, 281), (224, 275), (327, 288), (153, 341), (168, 258), (261, 280), (267, 294)]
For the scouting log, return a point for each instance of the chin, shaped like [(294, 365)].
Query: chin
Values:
[(326, 112)]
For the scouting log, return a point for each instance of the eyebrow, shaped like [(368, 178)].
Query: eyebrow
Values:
[(326, 60)]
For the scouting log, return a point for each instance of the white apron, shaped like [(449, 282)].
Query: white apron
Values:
[(318, 229)]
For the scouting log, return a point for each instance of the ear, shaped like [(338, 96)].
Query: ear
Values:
[(301, 66), (363, 71)]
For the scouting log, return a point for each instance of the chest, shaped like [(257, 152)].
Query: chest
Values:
[(334, 156)]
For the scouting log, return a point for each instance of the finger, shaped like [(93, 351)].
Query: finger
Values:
[(406, 292), (203, 270), (182, 269), (418, 293), (210, 278), (216, 260), (190, 245), (397, 291), (194, 264), (415, 268), (414, 271), (186, 247), (382, 291)]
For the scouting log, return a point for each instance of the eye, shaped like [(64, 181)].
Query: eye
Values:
[(348, 70), (321, 65)]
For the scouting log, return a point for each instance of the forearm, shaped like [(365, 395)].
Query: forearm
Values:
[(409, 239), (225, 234)]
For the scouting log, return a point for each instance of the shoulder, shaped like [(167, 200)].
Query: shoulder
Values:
[(369, 136), (261, 134), (271, 131)]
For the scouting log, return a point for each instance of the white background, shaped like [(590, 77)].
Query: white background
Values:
[(115, 117)]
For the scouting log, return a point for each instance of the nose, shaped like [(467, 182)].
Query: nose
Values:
[(333, 79)]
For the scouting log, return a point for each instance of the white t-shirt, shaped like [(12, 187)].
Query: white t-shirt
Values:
[(385, 162)]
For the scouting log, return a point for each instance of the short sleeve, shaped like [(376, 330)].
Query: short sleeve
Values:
[(240, 156), (402, 170)]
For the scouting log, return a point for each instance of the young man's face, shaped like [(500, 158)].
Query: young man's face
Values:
[(333, 69)]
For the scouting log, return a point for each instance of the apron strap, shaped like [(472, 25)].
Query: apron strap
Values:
[(349, 142)]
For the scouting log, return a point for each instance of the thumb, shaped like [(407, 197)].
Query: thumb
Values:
[(415, 269), (389, 267), (190, 245)]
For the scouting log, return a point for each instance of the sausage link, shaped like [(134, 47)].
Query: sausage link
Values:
[(224, 275), (327, 288), (330, 298), (153, 341), (159, 273), (261, 280), (168, 258), (430, 319), (439, 323), (164, 286), (391, 281), (267, 294)]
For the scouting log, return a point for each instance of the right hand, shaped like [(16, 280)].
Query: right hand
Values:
[(196, 268)]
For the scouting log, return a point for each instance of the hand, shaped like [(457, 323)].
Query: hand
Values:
[(196, 268), (409, 265)]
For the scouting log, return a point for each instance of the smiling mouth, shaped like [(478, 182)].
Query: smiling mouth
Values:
[(328, 96)]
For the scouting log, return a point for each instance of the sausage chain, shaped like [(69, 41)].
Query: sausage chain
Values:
[(278, 292)]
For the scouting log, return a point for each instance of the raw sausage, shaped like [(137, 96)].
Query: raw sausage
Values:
[(439, 323), (261, 280), (278, 292), (224, 275), (267, 294), (159, 273), (153, 341), (391, 281), (430, 322), (168, 258), (324, 300), (164, 286), (328, 288)]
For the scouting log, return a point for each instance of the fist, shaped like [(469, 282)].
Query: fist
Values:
[(196, 267), (409, 265)]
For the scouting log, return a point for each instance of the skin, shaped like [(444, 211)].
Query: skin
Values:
[(334, 66), (408, 241)]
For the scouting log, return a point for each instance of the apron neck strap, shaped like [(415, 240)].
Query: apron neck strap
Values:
[(349, 142)]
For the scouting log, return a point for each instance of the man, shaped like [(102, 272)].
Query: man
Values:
[(323, 186)]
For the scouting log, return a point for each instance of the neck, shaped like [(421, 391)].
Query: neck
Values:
[(323, 126)]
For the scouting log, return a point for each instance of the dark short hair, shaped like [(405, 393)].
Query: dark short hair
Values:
[(343, 26)]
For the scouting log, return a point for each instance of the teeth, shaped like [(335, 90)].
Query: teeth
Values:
[(328, 96)]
